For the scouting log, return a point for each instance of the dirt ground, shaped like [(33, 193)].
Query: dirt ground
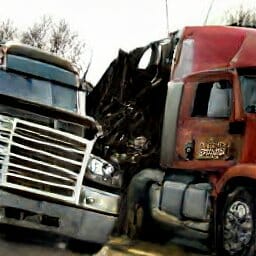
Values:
[(18, 243), (123, 246)]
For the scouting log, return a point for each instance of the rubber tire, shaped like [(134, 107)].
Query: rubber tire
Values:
[(242, 195), (138, 221), (142, 226)]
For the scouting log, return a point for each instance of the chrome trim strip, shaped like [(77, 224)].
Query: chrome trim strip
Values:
[(99, 200), (171, 115), (44, 164)]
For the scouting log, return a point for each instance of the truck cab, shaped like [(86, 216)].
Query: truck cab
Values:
[(203, 190), (49, 179)]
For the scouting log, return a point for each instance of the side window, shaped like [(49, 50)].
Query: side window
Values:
[(248, 88), (213, 99)]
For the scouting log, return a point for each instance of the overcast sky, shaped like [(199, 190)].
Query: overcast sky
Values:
[(107, 25)]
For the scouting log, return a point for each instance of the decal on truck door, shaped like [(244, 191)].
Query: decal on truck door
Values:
[(213, 148)]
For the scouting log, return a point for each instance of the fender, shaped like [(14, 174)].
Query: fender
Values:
[(137, 190), (138, 185), (240, 170)]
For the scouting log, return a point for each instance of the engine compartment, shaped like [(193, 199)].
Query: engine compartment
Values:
[(128, 102)]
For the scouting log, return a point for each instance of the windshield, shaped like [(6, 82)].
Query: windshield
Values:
[(39, 91), (248, 88)]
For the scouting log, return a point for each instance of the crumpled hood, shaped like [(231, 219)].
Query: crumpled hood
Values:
[(128, 102)]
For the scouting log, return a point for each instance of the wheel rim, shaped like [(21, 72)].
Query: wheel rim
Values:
[(238, 227)]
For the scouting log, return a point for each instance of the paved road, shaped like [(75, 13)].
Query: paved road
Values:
[(16, 244), (123, 246), (13, 248)]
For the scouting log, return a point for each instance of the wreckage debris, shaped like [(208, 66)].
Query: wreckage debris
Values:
[(128, 102)]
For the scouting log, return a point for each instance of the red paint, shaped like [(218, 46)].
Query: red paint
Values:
[(238, 171), (219, 47), (217, 52)]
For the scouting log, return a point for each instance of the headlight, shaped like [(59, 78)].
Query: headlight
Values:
[(98, 166), (102, 172)]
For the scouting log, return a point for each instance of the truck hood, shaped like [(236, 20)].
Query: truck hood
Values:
[(47, 115)]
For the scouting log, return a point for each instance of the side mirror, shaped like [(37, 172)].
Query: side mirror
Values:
[(86, 86)]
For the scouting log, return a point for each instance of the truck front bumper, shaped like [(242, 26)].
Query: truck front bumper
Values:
[(60, 219)]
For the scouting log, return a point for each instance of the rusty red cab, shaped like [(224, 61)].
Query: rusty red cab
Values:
[(204, 188)]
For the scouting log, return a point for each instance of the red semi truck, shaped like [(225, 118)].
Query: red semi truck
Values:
[(206, 180), (183, 131)]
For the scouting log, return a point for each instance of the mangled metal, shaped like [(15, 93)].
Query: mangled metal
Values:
[(182, 130), (128, 103)]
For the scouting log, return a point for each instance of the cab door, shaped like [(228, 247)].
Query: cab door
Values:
[(210, 127)]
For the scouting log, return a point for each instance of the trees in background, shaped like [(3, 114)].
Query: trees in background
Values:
[(7, 30), (55, 37), (66, 43), (242, 17), (38, 34)]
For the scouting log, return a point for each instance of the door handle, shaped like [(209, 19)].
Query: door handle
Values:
[(189, 150)]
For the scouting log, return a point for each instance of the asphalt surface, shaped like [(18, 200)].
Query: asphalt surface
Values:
[(123, 246), (20, 243)]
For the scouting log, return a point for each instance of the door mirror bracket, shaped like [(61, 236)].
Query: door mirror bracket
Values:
[(236, 127)]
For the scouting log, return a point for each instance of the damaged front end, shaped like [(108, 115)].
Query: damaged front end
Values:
[(128, 102)]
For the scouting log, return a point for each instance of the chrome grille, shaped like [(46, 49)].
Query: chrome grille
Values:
[(42, 160)]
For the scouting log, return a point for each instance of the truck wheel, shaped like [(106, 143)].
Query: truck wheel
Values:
[(237, 227), (142, 226), (136, 223)]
